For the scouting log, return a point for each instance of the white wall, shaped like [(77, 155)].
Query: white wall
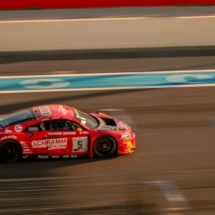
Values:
[(106, 33)]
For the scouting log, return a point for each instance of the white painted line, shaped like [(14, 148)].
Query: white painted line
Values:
[(72, 20), (111, 88), (103, 74), (197, 17), (103, 19)]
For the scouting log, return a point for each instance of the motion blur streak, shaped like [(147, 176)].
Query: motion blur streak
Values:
[(175, 143)]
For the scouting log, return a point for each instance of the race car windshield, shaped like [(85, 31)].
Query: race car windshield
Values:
[(86, 119), (16, 117)]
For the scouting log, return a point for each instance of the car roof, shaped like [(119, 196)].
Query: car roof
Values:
[(52, 111)]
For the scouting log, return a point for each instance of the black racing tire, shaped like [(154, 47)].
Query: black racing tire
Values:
[(10, 151), (105, 147)]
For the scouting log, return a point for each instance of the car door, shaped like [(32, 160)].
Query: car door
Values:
[(35, 140), (64, 137)]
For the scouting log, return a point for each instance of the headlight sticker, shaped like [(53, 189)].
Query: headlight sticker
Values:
[(126, 136)]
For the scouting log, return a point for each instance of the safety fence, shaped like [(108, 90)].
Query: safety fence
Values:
[(41, 4)]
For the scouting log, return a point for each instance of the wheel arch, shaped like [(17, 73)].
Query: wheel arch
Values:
[(12, 140)]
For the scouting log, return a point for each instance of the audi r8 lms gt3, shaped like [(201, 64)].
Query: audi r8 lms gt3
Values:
[(59, 131)]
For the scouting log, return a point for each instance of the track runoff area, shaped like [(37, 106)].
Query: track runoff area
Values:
[(107, 81)]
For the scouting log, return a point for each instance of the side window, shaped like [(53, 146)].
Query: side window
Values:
[(64, 125), (35, 127), (77, 127)]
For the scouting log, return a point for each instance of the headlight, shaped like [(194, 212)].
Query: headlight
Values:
[(126, 136)]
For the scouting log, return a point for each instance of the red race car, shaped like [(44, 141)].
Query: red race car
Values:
[(59, 131)]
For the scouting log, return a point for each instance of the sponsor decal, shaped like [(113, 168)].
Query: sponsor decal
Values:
[(62, 133), (80, 144), (66, 156), (84, 132), (43, 156), (58, 143), (25, 156), (62, 110), (55, 156), (33, 129), (28, 152), (106, 128), (8, 130), (9, 137), (69, 133), (25, 147), (45, 111), (18, 128), (54, 133), (120, 123), (74, 156), (76, 112), (83, 120)]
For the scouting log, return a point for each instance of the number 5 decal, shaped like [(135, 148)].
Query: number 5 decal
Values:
[(80, 144)]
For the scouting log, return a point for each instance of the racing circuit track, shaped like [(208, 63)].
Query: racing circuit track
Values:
[(175, 143)]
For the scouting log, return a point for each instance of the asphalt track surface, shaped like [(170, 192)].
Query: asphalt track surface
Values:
[(175, 143)]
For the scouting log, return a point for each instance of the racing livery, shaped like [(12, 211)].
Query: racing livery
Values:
[(55, 131)]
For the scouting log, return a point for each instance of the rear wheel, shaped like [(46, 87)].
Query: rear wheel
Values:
[(105, 147), (10, 151)]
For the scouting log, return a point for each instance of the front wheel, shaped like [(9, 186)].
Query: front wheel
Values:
[(10, 151), (105, 147)]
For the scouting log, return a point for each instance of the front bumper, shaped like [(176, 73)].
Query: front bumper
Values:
[(126, 147)]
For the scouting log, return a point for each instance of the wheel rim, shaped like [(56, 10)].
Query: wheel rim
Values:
[(10, 152), (105, 147)]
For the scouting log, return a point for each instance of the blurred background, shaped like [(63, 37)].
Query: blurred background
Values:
[(159, 61)]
